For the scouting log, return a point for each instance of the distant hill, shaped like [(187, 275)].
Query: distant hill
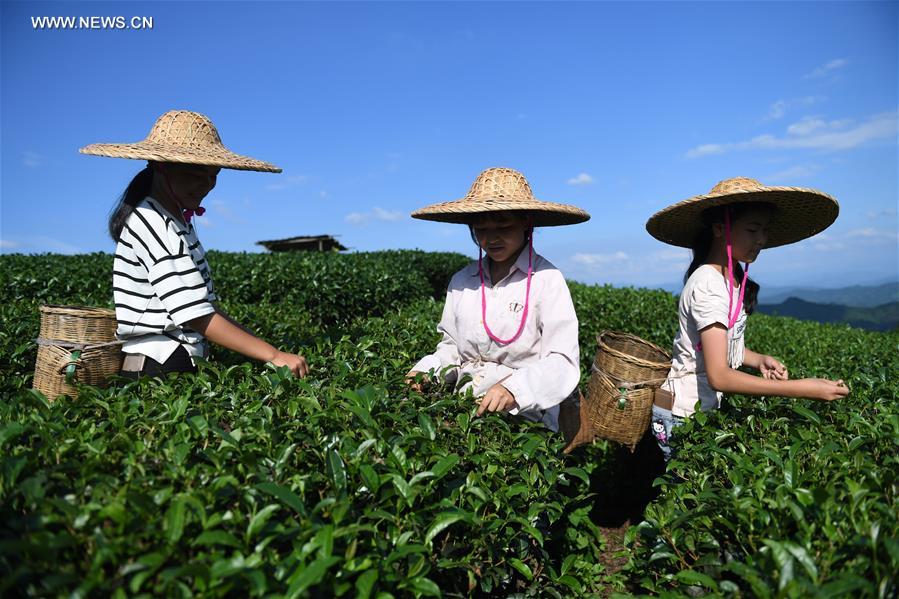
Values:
[(884, 317), (866, 296)]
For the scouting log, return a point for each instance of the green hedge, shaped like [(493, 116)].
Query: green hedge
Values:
[(323, 289), (239, 481), (771, 497)]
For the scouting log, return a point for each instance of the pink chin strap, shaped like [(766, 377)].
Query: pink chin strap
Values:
[(527, 294), (732, 315), (188, 213)]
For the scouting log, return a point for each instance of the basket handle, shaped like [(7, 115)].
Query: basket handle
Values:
[(622, 398), (71, 365)]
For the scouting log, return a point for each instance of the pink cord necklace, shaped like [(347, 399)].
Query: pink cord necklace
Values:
[(527, 294), (733, 315)]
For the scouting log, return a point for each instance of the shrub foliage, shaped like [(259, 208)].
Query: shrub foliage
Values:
[(241, 480)]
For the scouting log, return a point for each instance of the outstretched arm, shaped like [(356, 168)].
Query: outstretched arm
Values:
[(221, 330), (725, 379)]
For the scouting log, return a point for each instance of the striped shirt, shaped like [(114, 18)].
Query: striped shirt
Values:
[(160, 281)]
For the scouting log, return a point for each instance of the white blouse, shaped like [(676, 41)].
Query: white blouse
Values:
[(540, 368), (703, 302)]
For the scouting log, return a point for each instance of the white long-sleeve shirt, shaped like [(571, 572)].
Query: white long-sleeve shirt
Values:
[(540, 368)]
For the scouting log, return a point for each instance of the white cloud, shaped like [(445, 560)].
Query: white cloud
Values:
[(780, 108), (706, 150), (879, 214), (8, 244), (786, 176), (807, 125), (673, 255), (377, 213), (49, 244), (815, 134), (287, 182), (223, 209), (668, 263), (777, 110), (32, 159), (872, 234), (827, 69), (826, 242), (598, 259), (582, 179), (388, 215)]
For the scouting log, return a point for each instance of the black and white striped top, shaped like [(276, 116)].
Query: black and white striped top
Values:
[(160, 281)]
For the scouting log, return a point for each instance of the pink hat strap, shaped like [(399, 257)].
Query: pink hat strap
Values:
[(527, 295), (732, 315)]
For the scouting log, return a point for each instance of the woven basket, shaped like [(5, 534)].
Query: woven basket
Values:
[(76, 343), (626, 372)]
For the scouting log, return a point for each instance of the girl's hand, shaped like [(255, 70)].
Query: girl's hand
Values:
[(497, 399), (772, 369), (823, 389), (295, 362), (416, 386)]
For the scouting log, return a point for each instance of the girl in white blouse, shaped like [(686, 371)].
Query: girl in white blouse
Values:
[(510, 333), (731, 224)]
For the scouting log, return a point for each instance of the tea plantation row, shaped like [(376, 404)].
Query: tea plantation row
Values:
[(241, 481)]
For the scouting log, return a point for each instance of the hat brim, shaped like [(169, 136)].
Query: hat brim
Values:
[(467, 210), (165, 153), (800, 214)]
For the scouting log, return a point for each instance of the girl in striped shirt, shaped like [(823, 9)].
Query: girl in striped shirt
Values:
[(164, 296)]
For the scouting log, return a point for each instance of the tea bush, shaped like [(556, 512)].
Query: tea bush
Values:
[(772, 497), (323, 289), (242, 481)]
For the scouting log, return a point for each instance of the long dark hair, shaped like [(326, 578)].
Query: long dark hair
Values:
[(703, 245), (138, 189)]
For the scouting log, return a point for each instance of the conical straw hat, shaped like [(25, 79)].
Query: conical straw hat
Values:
[(502, 189), (182, 136), (800, 212)]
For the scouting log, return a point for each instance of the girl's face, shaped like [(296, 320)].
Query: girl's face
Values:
[(189, 182), (500, 235), (748, 233)]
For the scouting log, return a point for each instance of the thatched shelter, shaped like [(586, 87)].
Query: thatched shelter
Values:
[(315, 243)]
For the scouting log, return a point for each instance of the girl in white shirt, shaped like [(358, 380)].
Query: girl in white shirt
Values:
[(731, 224), (165, 302), (510, 333)]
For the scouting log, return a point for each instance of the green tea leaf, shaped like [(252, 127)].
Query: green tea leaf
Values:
[(285, 495)]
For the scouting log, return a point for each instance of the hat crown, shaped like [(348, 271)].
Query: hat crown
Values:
[(186, 129), (501, 184), (736, 184)]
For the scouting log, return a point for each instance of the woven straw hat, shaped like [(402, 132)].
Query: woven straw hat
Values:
[(801, 212), (501, 189), (182, 136)]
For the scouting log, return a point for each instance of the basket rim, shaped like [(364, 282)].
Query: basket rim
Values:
[(631, 337), (84, 311)]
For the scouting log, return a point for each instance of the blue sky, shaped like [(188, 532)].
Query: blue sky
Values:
[(375, 109)]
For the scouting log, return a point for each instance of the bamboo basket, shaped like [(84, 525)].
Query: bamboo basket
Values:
[(626, 372), (76, 343)]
